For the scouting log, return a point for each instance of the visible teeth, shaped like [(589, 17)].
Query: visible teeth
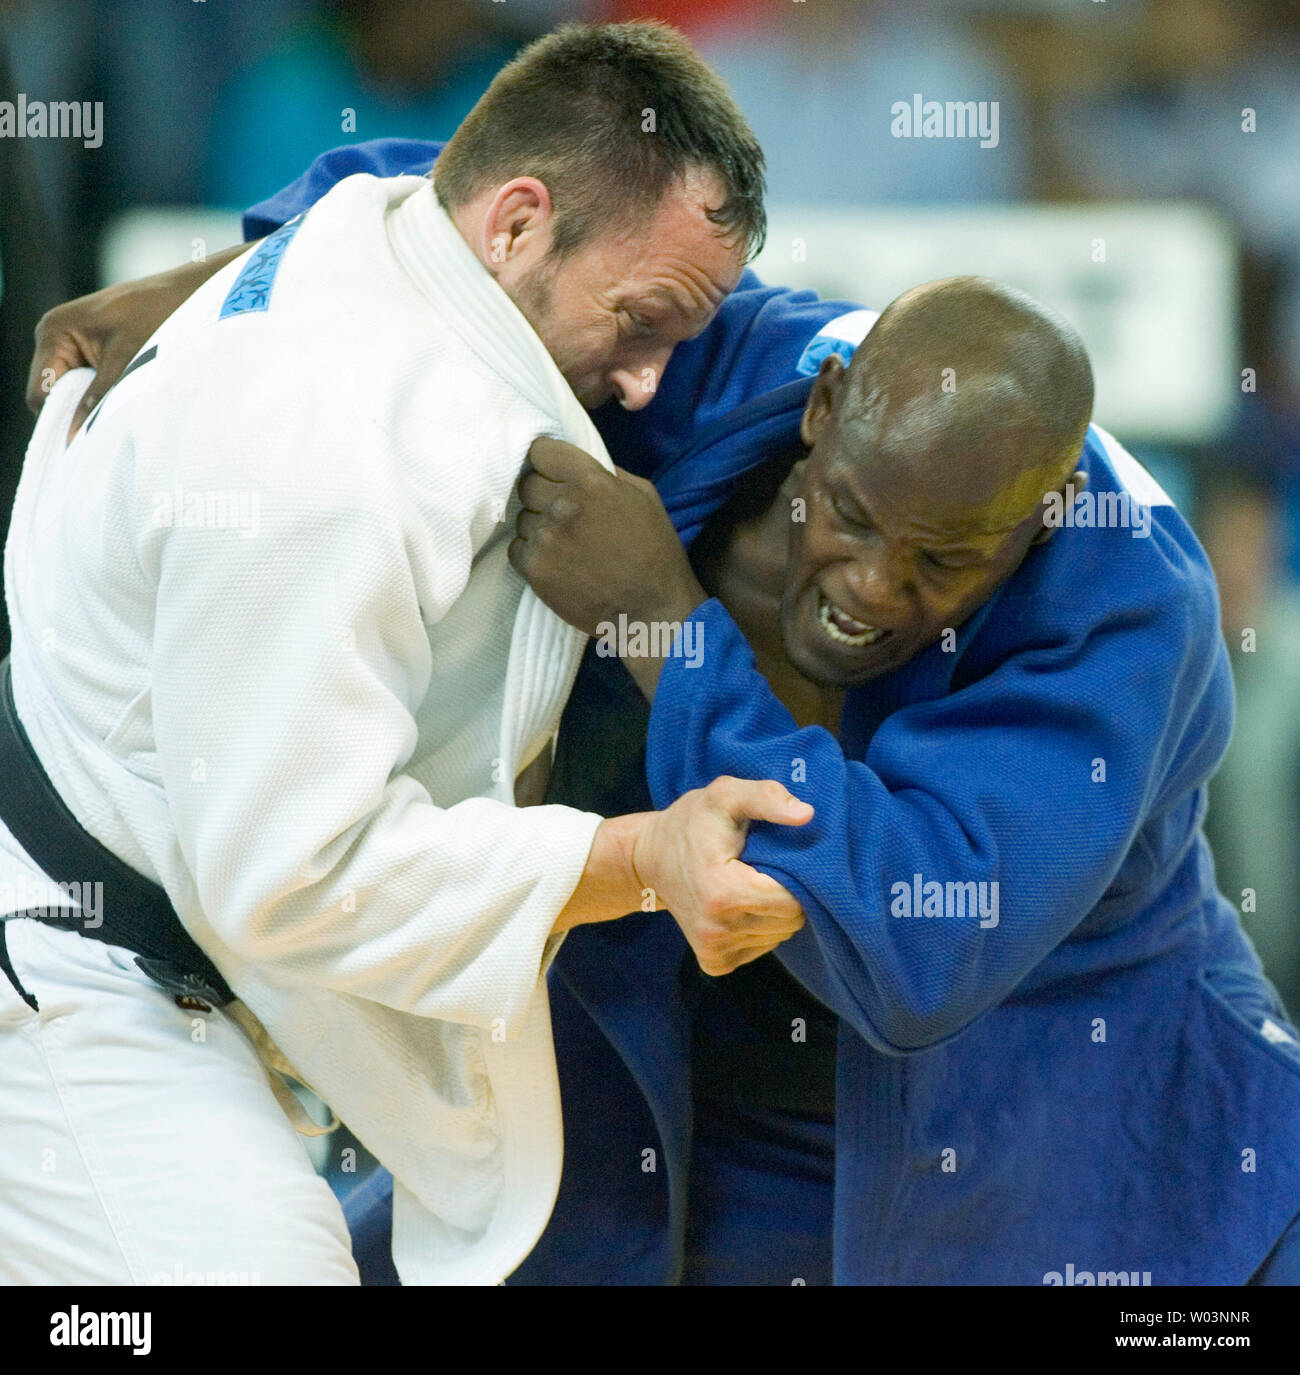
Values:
[(828, 613), (849, 624)]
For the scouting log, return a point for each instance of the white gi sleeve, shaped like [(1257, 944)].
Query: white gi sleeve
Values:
[(288, 666)]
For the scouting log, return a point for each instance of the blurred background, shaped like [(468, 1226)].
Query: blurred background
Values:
[(1143, 177)]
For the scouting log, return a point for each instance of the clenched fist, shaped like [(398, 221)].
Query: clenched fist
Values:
[(594, 544)]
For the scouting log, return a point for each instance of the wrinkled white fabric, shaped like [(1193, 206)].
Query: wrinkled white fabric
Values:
[(142, 1144), (269, 648)]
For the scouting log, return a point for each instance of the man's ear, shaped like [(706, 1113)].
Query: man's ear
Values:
[(1072, 487), (517, 224), (821, 400)]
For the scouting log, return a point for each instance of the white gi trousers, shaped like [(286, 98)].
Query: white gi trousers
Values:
[(142, 1143)]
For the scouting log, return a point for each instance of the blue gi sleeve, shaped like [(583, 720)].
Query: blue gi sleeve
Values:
[(381, 157), (997, 783)]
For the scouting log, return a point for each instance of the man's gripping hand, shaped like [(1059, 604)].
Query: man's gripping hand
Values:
[(687, 859), (106, 329), (592, 544)]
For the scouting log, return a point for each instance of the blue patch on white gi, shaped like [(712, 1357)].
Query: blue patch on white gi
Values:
[(252, 288), (841, 336)]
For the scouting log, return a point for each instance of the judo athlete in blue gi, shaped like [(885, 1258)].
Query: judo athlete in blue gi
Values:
[(1057, 1054), (1022, 1038)]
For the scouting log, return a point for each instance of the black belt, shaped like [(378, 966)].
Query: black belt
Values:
[(136, 913)]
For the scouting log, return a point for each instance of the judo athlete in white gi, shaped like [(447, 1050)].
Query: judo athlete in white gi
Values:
[(269, 650)]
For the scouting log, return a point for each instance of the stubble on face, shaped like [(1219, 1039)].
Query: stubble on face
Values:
[(614, 309)]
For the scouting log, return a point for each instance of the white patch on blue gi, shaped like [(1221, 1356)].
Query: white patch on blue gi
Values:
[(1132, 475)]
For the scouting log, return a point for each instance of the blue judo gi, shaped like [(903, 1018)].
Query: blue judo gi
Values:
[(1101, 1082)]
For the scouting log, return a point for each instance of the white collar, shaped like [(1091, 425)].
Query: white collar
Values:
[(430, 250)]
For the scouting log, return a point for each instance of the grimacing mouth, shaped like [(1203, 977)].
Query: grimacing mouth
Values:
[(845, 630)]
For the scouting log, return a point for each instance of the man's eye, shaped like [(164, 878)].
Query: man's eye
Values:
[(938, 561), (844, 514)]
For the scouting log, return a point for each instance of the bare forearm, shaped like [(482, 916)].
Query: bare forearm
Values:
[(645, 670), (678, 602), (107, 329), (148, 301), (153, 299), (609, 887), (195, 274)]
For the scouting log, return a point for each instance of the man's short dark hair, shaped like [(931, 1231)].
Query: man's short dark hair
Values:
[(606, 116)]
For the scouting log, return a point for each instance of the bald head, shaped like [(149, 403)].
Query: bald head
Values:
[(976, 383), (929, 459)]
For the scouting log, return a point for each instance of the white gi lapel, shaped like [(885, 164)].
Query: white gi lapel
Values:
[(544, 651), (543, 661)]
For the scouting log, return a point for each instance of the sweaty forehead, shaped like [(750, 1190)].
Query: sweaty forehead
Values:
[(941, 497), (669, 282), (678, 245), (962, 455)]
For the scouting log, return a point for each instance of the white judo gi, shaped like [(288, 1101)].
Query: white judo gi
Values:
[(268, 646)]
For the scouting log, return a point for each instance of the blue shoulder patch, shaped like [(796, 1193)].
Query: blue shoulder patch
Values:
[(841, 335), (252, 288)]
